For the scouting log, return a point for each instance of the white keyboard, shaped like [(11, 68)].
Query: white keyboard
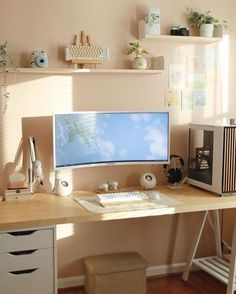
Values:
[(121, 197)]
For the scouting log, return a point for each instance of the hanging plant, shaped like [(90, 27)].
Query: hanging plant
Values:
[(5, 60)]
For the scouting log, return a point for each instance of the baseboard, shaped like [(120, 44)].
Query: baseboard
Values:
[(158, 270), (151, 271), (69, 282)]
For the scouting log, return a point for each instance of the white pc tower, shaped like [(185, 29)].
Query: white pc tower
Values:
[(212, 157)]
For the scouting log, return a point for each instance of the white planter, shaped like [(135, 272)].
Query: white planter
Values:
[(206, 30), (140, 63)]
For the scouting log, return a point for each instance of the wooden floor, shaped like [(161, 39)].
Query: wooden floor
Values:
[(199, 283)]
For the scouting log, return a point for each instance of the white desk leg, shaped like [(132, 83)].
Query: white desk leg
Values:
[(217, 231), (196, 239), (232, 266)]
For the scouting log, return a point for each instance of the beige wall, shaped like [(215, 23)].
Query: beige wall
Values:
[(50, 25)]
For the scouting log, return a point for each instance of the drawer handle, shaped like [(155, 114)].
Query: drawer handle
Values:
[(24, 233), (25, 252), (22, 272)]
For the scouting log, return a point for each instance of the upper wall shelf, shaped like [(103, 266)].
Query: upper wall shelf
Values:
[(85, 71), (187, 39)]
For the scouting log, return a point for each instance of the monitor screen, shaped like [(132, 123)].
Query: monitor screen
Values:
[(107, 138)]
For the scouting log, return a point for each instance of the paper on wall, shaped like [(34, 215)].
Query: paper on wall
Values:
[(187, 100), (172, 98), (176, 76), (199, 98)]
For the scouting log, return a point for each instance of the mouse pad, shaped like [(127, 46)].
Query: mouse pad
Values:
[(92, 205)]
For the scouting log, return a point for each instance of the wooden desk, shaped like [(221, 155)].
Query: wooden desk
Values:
[(45, 210)]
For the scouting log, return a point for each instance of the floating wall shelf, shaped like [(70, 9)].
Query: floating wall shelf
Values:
[(84, 71), (170, 38)]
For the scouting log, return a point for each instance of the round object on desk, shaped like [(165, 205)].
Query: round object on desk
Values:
[(104, 187), (63, 187), (113, 186), (148, 181)]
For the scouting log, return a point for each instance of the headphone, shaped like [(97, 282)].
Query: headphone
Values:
[(174, 174)]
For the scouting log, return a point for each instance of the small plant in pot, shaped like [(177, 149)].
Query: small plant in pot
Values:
[(205, 21), (5, 60), (139, 62)]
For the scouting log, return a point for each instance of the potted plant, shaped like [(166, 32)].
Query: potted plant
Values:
[(204, 21), (139, 62), (5, 61)]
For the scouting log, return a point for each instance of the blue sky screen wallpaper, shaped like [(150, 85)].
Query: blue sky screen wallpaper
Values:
[(85, 138)]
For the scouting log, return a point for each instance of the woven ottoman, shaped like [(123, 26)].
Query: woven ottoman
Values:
[(116, 273)]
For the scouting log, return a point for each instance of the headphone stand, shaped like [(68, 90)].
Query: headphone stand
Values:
[(175, 186), (174, 173)]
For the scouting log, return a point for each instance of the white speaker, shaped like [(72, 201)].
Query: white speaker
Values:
[(63, 187), (148, 181)]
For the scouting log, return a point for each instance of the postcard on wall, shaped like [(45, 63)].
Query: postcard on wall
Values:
[(187, 100), (209, 60), (176, 76), (196, 80), (200, 98), (172, 98)]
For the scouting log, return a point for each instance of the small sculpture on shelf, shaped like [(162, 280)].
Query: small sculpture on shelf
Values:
[(139, 62)]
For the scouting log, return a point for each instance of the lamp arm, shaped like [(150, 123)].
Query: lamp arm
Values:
[(35, 169)]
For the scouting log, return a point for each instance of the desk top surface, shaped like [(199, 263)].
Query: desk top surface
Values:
[(46, 209)]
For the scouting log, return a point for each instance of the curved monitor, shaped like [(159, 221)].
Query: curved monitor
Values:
[(107, 138)]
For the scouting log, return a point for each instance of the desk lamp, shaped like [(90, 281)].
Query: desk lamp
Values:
[(35, 166)]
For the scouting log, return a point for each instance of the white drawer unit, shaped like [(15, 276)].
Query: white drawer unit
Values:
[(33, 281), (28, 261)]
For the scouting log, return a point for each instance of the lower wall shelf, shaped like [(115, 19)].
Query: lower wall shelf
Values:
[(84, 71)]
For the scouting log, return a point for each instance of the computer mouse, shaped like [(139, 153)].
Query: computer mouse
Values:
[(153, 195)]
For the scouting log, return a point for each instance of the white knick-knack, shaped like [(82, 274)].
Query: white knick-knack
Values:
[(152, 21)]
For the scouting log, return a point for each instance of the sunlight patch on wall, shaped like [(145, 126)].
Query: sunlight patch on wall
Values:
[(64, 231), (35, 97), (224, 60), (42, 95)]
